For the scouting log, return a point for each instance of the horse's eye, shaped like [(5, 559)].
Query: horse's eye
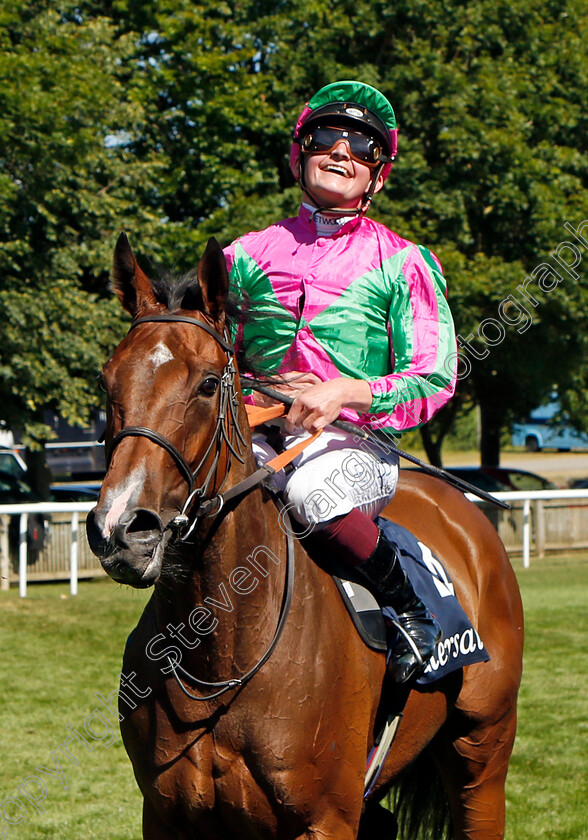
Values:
[(209, 386)]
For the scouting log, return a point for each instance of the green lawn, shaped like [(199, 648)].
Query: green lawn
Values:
[(58, 651), (548, 780)]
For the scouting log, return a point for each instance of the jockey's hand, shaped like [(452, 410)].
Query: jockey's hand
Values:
[(317, 406), (292, 383)]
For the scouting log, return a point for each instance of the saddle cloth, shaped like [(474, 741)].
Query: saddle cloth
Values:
[(460, 645)]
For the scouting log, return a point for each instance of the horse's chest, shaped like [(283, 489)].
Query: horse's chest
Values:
[(208, 785)]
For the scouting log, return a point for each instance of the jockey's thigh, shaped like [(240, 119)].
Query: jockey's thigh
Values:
[(333, 475)]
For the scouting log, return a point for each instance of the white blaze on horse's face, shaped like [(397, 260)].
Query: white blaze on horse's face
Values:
[(117, 499), (160, 355)]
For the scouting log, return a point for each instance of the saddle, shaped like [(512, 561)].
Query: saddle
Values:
[(460, 645)]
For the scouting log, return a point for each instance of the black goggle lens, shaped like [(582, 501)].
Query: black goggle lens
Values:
[(322, 139)]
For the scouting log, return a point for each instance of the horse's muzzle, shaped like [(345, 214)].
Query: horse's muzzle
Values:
[(133, 552)]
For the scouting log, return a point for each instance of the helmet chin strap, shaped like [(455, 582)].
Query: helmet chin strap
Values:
[(340, 211)]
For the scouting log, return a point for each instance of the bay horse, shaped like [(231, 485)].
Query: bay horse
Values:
[(248, 701)]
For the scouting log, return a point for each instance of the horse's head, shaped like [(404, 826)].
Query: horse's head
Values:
[(171, 430)]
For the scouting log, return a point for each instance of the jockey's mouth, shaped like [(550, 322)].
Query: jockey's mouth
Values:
[(337, 169)]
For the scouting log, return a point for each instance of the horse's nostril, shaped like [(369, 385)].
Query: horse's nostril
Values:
[(144, 520), (137, 529), (96, 541)]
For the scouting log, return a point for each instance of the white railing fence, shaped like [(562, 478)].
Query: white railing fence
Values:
[(551, 520), (64, 527), (543, 520)]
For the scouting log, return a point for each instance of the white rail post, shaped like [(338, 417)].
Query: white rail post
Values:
[(4, 553), (22, 555), (539, 514), (73, 554), (526, 533)]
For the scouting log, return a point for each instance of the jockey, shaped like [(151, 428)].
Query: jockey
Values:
[(355, 321)]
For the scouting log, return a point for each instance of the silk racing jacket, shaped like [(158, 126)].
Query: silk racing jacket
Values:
[(362, 303)]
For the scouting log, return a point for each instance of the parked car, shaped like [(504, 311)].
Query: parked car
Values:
[(475, 476), (11, 462), (74, 492), (520, 479), (14, 490), (479, 478), (501, 479), (539, 431), (82, 460)]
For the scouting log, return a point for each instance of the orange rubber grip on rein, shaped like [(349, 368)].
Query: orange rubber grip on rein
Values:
[(288, 455), (256, 414)]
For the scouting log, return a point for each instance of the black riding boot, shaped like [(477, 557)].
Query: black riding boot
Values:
[(419, 631)]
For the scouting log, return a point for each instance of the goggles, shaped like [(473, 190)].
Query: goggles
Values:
[(323, 139)]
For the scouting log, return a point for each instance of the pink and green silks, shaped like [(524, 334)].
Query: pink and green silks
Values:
[(363, 303)]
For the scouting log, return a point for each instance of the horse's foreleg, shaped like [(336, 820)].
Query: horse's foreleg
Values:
[(474, 769)]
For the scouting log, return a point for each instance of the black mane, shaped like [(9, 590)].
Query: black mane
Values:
[(178, 292)]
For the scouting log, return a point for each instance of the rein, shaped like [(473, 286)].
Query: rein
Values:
[(227, 685)]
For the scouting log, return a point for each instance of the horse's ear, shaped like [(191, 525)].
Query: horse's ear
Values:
[(132, 287), (214, 280)]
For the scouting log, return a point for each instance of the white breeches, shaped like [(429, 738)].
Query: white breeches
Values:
[(333, 475)]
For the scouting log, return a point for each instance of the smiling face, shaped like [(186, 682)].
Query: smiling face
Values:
[(335, 179)]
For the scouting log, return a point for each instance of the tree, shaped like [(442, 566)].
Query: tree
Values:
[(68, 183), (173, 119), (491, 104)]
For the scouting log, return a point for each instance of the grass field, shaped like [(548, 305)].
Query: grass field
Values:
[(57, 652)]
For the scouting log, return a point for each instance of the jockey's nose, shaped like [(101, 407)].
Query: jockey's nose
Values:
[(341, 150)]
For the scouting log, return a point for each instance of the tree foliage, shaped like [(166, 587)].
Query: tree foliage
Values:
[(173, 120), (68, 182)]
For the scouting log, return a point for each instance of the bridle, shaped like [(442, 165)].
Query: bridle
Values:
[(236, 444), (226, 432)]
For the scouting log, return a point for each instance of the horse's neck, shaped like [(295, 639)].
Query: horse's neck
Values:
[(229, 605)]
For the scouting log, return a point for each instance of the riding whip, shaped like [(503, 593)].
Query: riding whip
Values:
[(358, 431)]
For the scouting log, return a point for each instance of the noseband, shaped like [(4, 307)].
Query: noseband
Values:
[(231, 436)]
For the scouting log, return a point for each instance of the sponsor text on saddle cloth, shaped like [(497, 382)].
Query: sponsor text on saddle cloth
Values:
[(460, 645)]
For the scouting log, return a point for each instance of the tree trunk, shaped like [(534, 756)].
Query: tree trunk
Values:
[(433, 433), (432, 447), (491, 422), (38, 473)]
